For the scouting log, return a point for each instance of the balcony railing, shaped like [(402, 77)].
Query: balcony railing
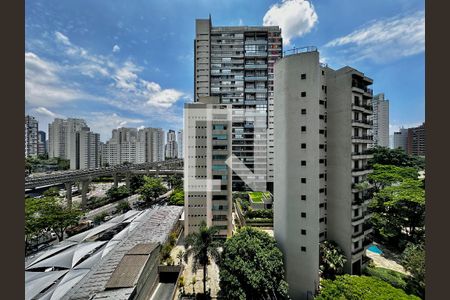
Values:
[(255, 66), (362, 137), (365, 152), (367, 122), (365, 106), (358, 234)]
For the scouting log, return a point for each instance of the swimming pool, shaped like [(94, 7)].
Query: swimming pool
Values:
[(375, 249)]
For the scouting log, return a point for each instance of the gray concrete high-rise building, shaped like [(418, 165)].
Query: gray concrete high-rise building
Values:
[(42, 143), (180, 143), (31, 136), (380, 119), (401, 139), (133, 146), (72, 139), (207, 176), (321, 138), (171, 150), (416, 140), (235, 63)]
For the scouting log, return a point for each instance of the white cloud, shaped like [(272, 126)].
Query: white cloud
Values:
[(116, 48), (62, 38), (43, 86), (385, 40), (295, 17), (164, 98), (45, 112)]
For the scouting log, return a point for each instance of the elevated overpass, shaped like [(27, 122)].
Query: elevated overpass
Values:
[(68, 178)]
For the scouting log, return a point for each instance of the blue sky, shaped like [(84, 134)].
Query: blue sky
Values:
[(130, 63)]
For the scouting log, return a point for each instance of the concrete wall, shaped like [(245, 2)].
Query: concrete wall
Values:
[(302, 267)]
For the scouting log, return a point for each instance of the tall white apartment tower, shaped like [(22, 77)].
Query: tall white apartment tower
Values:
[(180, 143), (88, 148), (235, 63), (321, 137), (207, 176), (380, 120), (31, 136), (57, 138), (73, 126), (171, 146), (300, 169)]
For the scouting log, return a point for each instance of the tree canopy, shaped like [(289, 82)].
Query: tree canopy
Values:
[(396, 157), (251, 267), (48, 213), (116, 193), (385, 175), (177, 197), (152, 188), (332, 259), (399, 213), (360, 288), (136, 182), (413, 259)]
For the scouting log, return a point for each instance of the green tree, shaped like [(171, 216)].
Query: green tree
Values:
[(201, 247), (34, 224), (332, 259), (251, 267), (51, 192), (123, 206), (177, 197), (386, 175), (413, 259), (360, 288), (116, 193), (396, 157), (175, 181), (136, 182), (49, 213), (63, 164), (399, 212), (152, 188)]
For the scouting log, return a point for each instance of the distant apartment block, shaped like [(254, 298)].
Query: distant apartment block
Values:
[(171, 150), (42, 143), (380, 119), (235, 63), (401, 139), (31, 136), (416, 140), (133, 146), (207, 177), (72, 139), (322, 124), (180, 143)]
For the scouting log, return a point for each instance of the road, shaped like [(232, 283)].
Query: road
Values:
[(109, 208)]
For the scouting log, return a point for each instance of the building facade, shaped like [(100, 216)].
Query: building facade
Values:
[(180, 143), (207, 176), (31, 136), (171, 150), (88, 149), (42, 143), (133, 146), (416, 140), (322, 123), (380, 118), (236, 64), (401, 139)]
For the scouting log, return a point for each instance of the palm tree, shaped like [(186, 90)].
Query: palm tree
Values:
[(202, 246), (332, 259), (193, 282)]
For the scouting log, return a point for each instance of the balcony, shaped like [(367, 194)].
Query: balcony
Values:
[(256, 90), (361, 171), (255, 41), (362, 123), (367, 109), (256, 54), (362, 155), (255, 78), (362, 139), (356, 236), (255, 66)]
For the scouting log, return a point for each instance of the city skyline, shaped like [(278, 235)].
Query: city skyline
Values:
[(133, 69)]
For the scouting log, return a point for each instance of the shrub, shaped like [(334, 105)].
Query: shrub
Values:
[(262, 213), (396, 279)]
